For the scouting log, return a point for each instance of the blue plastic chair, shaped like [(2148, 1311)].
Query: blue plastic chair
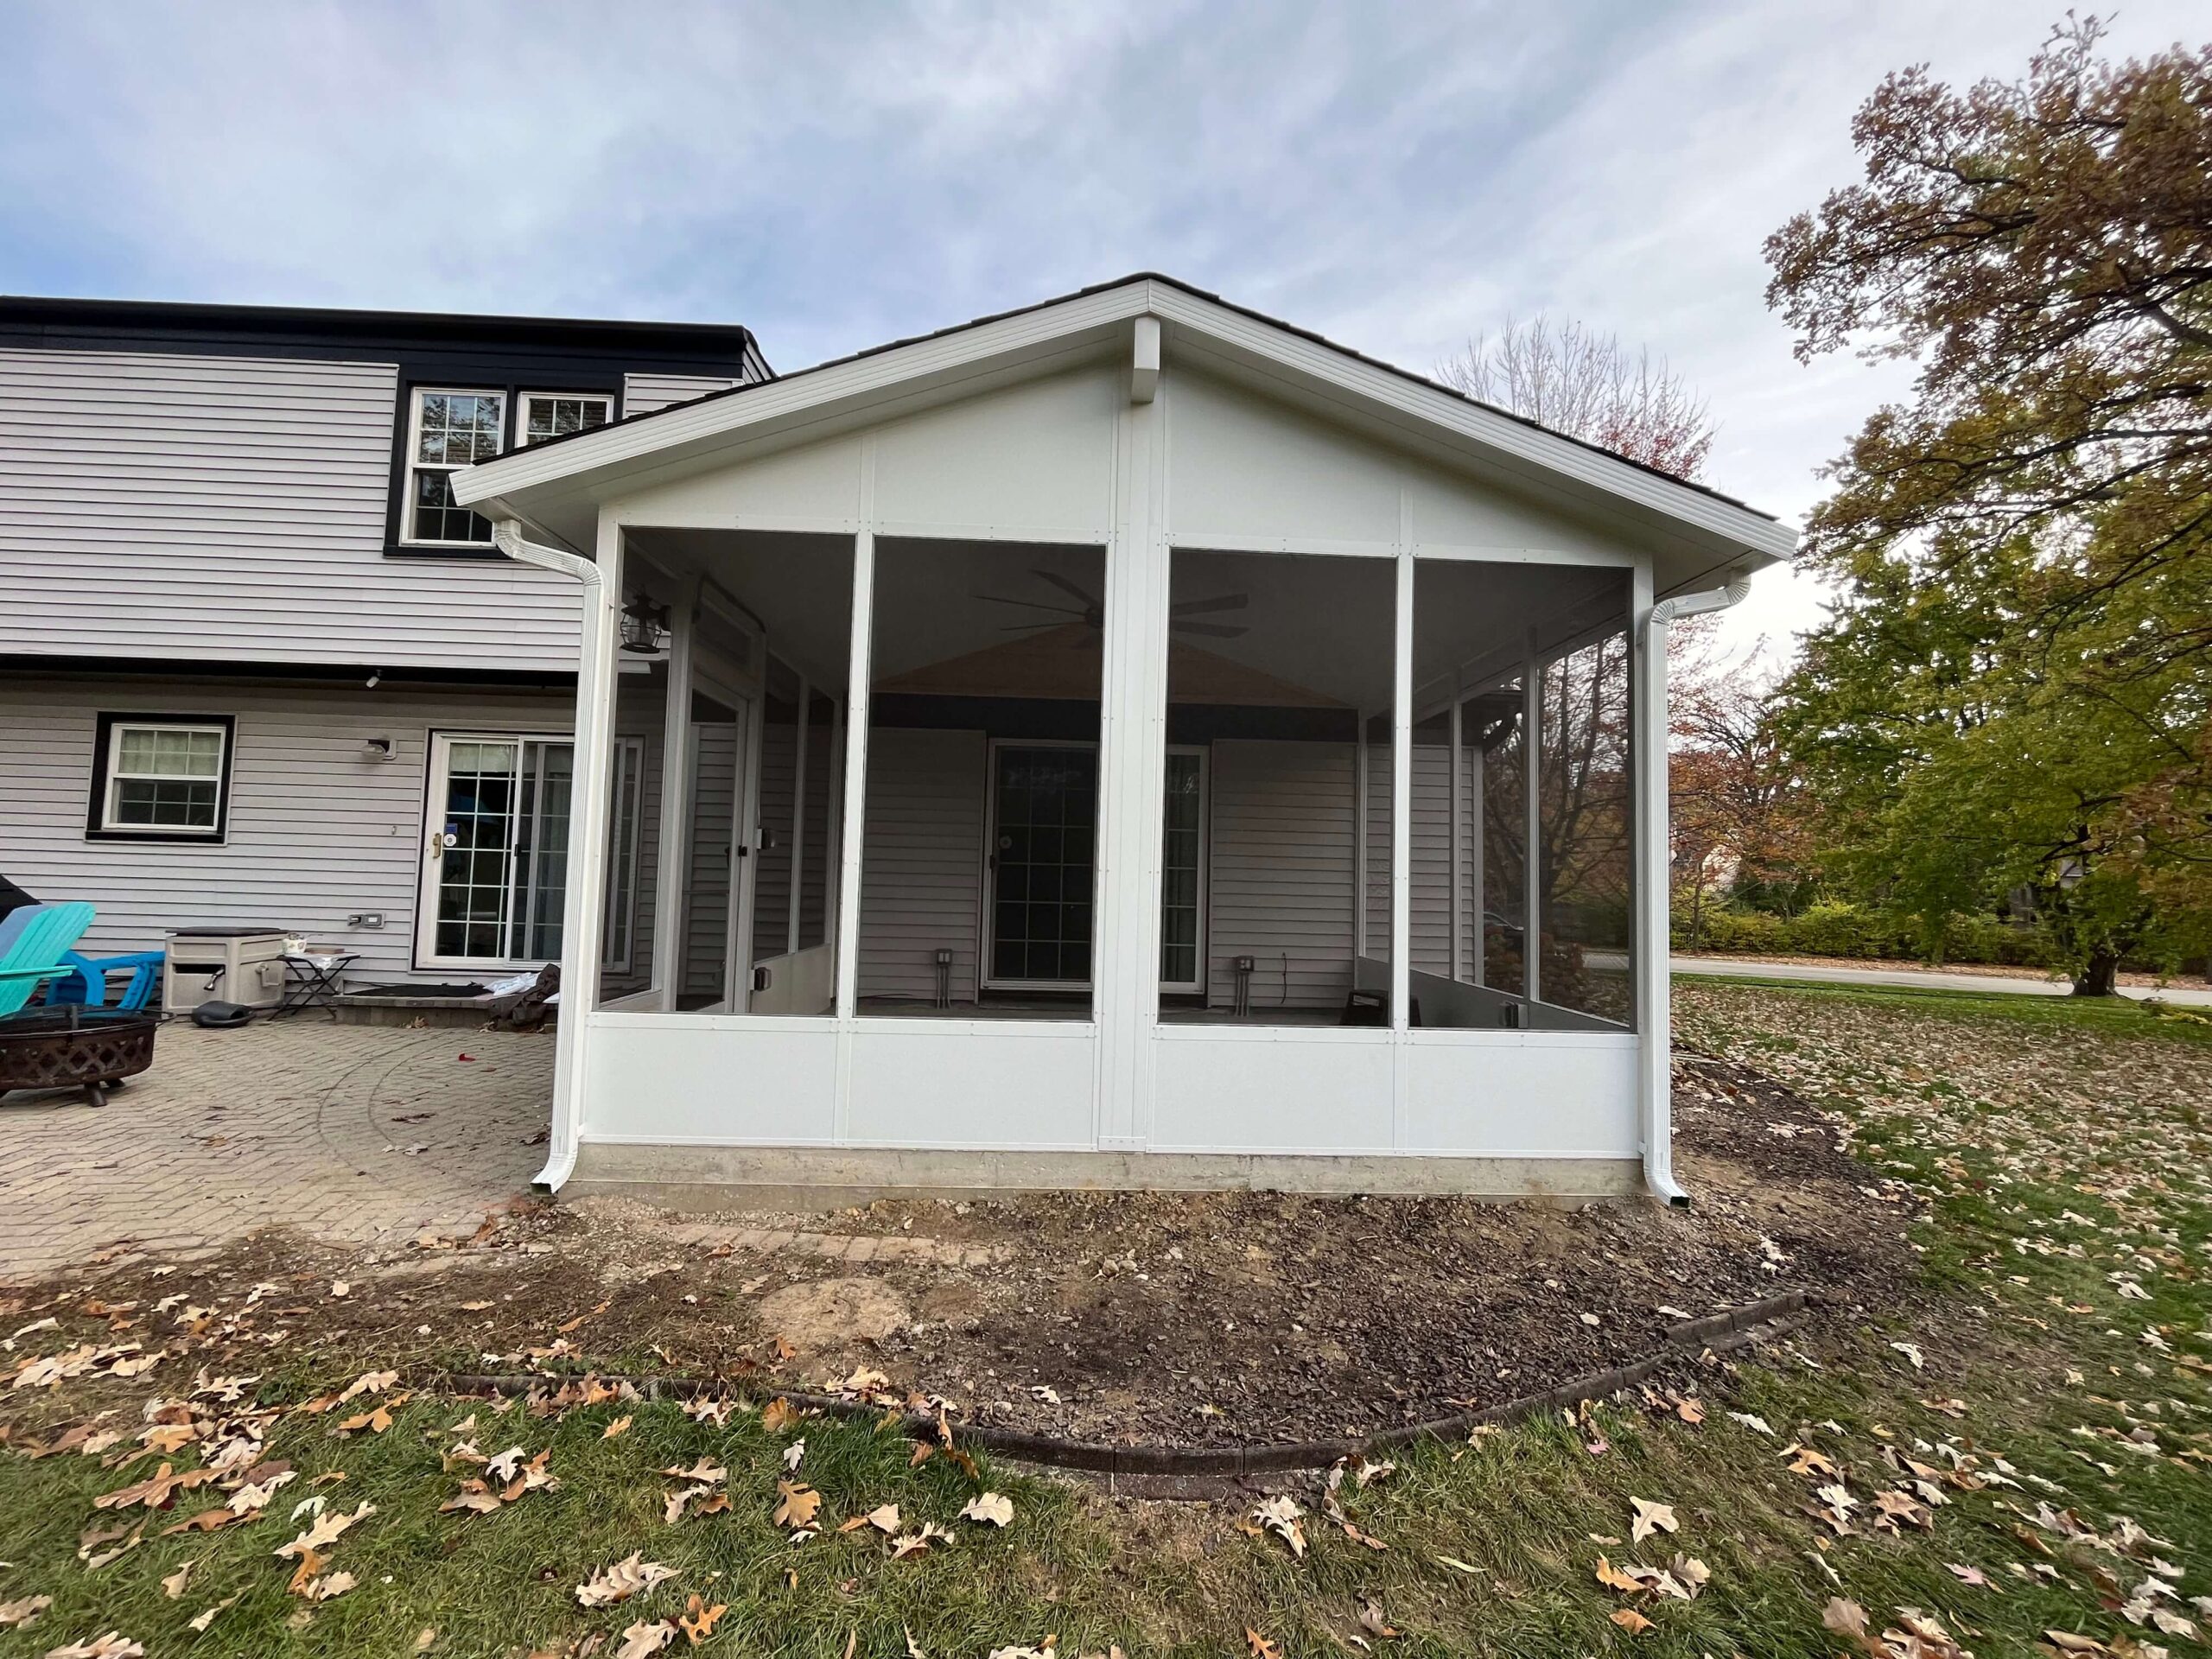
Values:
[(33, 941), (87, 981)]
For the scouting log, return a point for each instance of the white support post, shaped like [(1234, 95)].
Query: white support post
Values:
[(799, 821), (674, 883), (855, 784), (1532, 861), (1359, 765), (832, 871), (1132, 773), (1478, 784), (1455, 763), (1402, 775)]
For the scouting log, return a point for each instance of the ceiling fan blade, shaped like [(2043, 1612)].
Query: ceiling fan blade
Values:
[(1212, 630), (1065, 586), (1200, 607), (1027, 604)]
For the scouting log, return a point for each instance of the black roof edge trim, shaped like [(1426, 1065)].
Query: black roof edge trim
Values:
[(322, 320)]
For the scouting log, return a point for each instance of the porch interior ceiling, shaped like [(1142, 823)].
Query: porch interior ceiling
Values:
[(1292, 653)]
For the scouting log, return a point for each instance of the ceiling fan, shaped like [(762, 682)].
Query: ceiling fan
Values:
[(1092, 612)]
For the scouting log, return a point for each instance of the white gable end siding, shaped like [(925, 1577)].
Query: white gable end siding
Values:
[(317, 829), (232, 509), (643, 393)]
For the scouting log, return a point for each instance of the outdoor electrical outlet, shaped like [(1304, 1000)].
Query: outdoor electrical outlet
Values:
[(366, 918), (1245, 964)]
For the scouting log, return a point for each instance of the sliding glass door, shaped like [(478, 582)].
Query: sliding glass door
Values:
[(497, 849)]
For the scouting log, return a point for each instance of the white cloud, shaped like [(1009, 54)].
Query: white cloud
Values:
[(1394, 177)]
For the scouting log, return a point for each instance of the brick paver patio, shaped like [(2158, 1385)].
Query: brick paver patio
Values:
[(350, 1133)]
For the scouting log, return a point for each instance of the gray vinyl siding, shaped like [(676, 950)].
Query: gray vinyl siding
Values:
[(234, 509), (643, 393), (1281, 873), (921, 861), (772, 882), (1429, 833), (706, 942), (317, 829)]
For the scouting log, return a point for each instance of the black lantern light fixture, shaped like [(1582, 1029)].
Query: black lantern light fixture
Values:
[(644, 627)]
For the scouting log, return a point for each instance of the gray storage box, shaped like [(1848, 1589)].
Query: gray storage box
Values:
[(245, 965)]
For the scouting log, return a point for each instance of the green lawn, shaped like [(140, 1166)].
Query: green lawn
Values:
[(2064, 1332)]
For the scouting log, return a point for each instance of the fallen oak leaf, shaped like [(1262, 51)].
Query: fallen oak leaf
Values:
[(1649, 1518), (22, 1615), (111, 1645), (795, 1504), (1632, 1621), (1281, 1516), (199, 1621), (699, 1620), (645, 1638), (626, 1578), (615, 1429), (988, 1507)]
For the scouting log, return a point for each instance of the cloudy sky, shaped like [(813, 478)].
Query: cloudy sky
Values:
[(1395, 177)]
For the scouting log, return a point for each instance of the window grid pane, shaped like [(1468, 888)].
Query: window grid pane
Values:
[(165, 778), (554, 418), (453, 429)]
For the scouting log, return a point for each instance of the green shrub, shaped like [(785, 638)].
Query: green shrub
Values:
[(1831, 928)]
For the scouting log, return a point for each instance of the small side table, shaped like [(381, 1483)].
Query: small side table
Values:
[(311, 980)]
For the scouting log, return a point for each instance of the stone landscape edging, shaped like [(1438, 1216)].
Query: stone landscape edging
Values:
[(1719, 1332)]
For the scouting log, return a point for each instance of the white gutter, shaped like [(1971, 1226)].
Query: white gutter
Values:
[(1718, 599), (1655, 1080), (561, 1134)]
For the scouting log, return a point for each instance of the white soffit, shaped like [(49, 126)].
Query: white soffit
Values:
[(537, 483)]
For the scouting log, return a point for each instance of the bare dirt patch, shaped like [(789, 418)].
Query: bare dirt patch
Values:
[(1183, 1319), (830, 1314)]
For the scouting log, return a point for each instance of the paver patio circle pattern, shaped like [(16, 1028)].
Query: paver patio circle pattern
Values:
[(350, 1134)]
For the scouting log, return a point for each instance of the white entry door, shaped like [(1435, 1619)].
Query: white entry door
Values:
[(496, 850)]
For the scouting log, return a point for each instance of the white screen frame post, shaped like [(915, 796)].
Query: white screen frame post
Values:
[(853, 803), (674, 898)]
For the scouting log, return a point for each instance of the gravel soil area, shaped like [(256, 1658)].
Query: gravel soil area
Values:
[(1176, 1319)]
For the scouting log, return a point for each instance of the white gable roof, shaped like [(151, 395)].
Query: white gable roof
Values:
[(556, 487)]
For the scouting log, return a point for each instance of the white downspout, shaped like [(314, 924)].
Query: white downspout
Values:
[(1655, 1081), (577, 988)]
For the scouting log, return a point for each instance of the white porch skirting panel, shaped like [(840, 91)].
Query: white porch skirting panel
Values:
[(1325, 1108)]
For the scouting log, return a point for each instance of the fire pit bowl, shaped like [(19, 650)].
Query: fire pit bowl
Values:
[(87, 1048)]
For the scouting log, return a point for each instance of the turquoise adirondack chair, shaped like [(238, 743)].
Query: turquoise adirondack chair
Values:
[(33, 941)]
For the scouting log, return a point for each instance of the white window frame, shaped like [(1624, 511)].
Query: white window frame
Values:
[(111, 825), (524, 399), (412, 467), (621, 899)]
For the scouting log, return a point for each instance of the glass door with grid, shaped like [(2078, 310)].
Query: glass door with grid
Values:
[(498, 843)]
